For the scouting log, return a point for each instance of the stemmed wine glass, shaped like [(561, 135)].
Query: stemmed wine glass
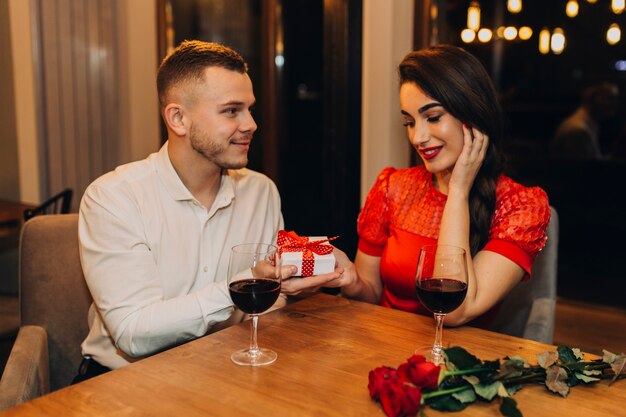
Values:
[(441, 284), (254, 286)]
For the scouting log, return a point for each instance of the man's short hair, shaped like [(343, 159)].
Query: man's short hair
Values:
[(189, 60)]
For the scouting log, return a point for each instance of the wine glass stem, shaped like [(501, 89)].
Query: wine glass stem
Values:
[(437, 347), (254, 347)]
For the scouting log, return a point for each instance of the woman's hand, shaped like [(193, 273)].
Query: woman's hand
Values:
[(475, 144)]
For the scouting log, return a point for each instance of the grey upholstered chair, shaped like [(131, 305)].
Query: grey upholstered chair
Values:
[(528, 310), (54, 303)]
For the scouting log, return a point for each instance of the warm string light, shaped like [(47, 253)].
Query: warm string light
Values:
[(514, 6), (468, 35), (434, 12), (557, 41), (485, 35), (571, 8), (554, 41), (473, 16), (614, 34), (525, 33), (544, 41), (510, 33)]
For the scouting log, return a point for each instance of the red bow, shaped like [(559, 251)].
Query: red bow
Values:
[(291, 242)]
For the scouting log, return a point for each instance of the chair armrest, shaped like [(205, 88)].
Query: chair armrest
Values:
[(540, 324), (26, 375)]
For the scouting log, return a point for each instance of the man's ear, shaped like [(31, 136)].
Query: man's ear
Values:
[(174, 119)]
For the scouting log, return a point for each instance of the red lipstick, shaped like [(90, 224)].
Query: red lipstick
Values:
[(430, 153)]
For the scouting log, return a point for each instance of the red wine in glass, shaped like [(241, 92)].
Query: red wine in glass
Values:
[(254, 296), (441, 295), (441, 286), (254, 286)]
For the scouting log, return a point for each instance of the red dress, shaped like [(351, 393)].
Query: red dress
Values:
[(403, 212)]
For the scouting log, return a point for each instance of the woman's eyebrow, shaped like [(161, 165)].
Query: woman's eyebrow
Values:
[(428, 106)]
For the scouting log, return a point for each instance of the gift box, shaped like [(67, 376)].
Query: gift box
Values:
[(312, 255)]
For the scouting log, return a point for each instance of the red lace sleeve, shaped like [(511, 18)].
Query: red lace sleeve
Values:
[(373, 221), (518, 228)]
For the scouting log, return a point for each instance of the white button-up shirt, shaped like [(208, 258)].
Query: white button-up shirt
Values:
[(156, 260)]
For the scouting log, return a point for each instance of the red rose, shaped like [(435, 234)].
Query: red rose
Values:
[(398, 398), (412, 398), (377, 379), (419, 372), (392, 397)]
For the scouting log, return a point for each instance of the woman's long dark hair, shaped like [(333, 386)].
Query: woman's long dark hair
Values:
[(457, 80)]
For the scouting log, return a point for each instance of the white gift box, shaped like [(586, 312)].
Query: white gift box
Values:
[(322, 264)]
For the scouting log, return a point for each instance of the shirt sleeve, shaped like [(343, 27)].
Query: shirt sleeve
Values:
[(125, 283), (374, 218), (518, 228)]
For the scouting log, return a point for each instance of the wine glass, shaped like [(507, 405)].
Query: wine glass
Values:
[(441, 285), (254, 286)]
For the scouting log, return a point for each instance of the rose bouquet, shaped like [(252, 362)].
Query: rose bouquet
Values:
[(418, 383)]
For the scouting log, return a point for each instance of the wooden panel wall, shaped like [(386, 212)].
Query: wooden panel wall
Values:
[(78, 84)]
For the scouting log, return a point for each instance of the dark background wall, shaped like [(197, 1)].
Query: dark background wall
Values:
[(537, 91)]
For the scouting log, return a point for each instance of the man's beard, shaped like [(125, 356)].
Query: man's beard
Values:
[(213, 151)]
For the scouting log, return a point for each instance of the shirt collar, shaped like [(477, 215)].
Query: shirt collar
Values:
[(177, 190)]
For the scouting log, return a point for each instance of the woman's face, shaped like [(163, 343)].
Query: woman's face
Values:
[(436, 135)]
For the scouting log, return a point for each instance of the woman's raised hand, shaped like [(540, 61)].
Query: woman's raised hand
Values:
[(475, 144)]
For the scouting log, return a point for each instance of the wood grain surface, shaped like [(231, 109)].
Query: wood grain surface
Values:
[(326, 346)]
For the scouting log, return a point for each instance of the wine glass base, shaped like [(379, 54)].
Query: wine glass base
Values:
[(258, 357), (427, 352)]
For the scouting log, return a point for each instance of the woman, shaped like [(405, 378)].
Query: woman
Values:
[(459, 195)]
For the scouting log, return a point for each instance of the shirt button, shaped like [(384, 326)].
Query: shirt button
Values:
[(206, 269)]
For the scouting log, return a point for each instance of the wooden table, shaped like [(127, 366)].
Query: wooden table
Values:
[(11, 220), (12, 216), (326, 346)]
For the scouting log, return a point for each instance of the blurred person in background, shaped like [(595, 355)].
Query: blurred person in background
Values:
[(578, 136)]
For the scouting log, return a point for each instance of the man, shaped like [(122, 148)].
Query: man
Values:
[(155, 235), (577, 137)]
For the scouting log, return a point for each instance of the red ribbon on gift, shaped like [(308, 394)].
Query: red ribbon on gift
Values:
[(291, 242)]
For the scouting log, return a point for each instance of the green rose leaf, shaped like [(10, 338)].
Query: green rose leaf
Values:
[(547, 359), (467, 396), (512, 367), (566, 354), (607, 356), (509, 408), (589, 372), (521, 362), (617, 362), (488, 391), (449, 383), (511, 390), (447, 403), (474, 380), (460, 358), (578, 354), (556, 378), (584, 378), (572, 381), (502, 391), (492, 365)]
